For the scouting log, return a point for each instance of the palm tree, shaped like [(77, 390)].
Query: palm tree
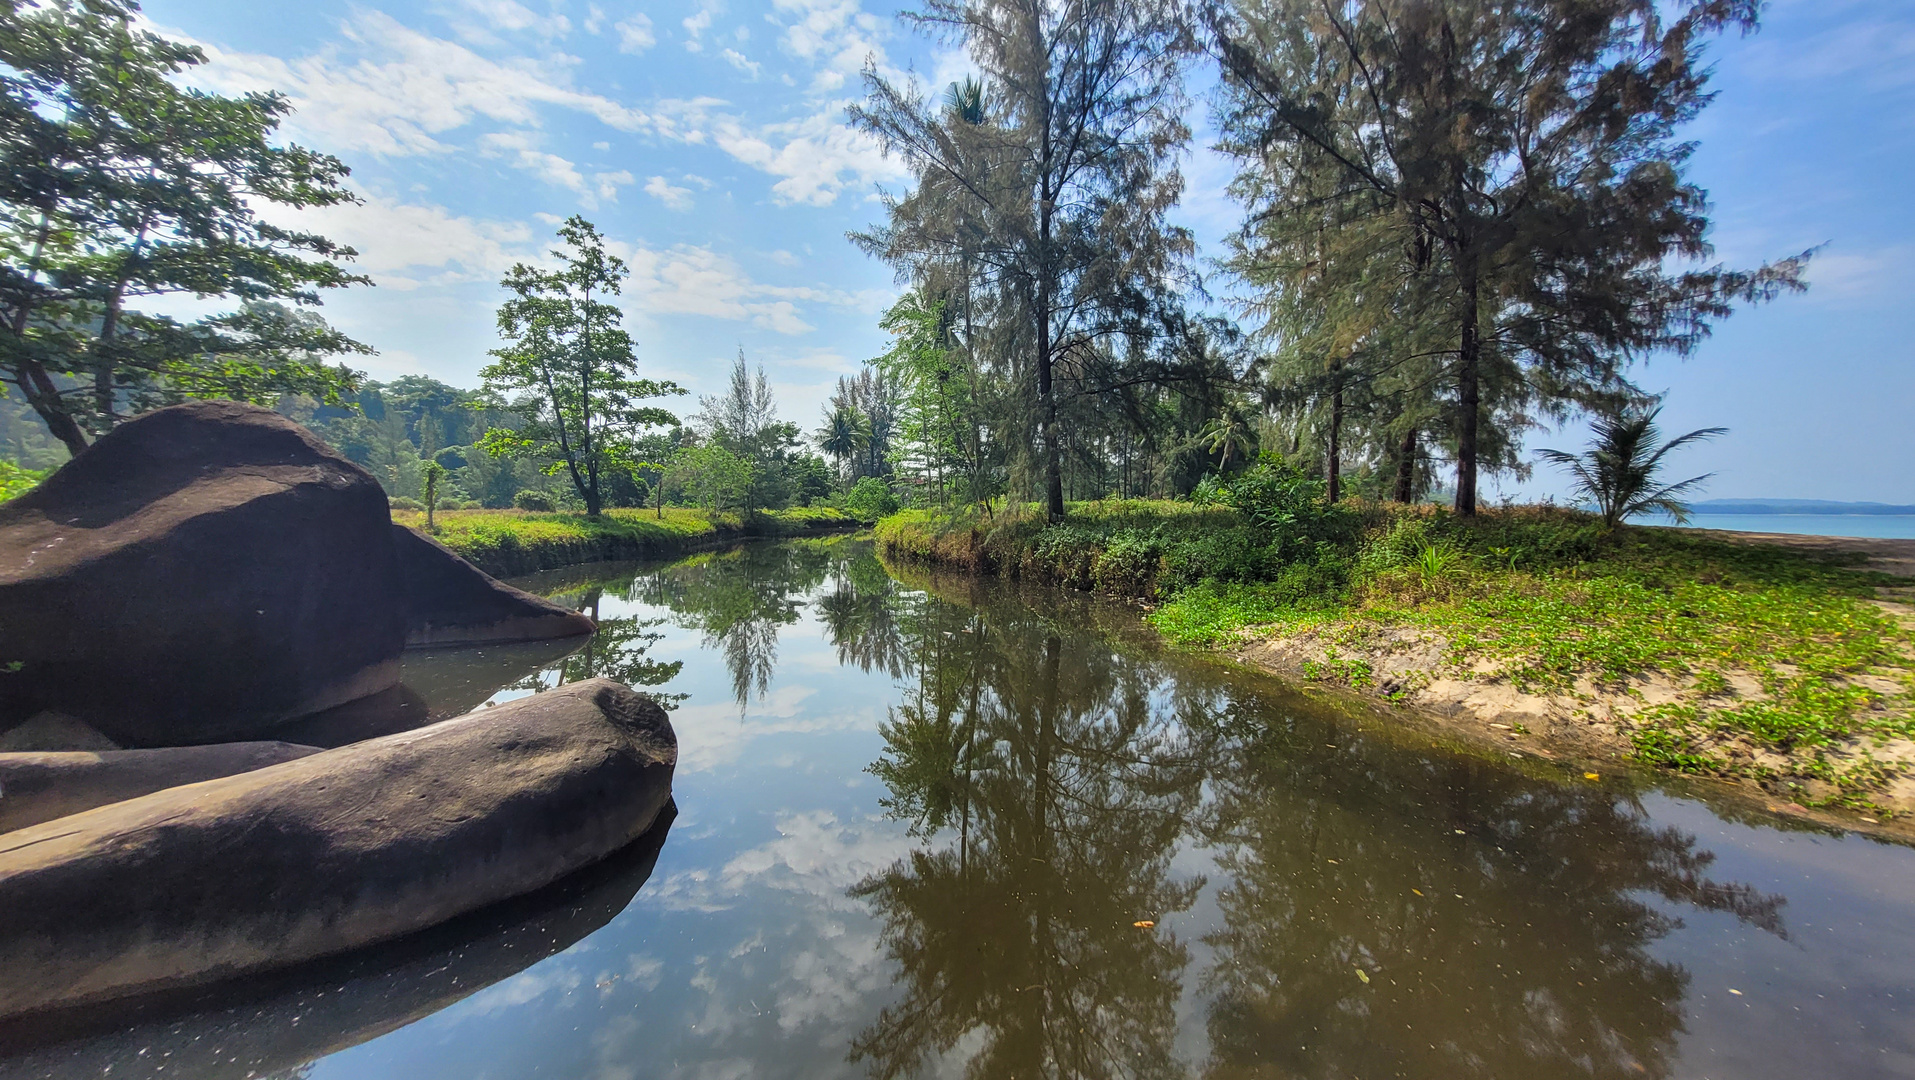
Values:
[(1227, 435), (846, 433), (1618, 471)]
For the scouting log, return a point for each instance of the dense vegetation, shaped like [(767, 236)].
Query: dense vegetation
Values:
[(1547, 599)]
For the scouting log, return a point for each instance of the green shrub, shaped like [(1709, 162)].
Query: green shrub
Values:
[(16, 481), (871, 499), (401, 502), (530, 499)]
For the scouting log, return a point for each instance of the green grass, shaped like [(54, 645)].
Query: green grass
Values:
[(508, 542), (1539, 595)]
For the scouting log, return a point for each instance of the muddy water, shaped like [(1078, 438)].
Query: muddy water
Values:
[(932, 829)]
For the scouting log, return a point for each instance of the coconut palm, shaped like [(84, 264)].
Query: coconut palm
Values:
[(846, 433), (1226, 435), (1618, 471)]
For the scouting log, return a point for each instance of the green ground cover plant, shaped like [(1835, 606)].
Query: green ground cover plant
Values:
[(1545, 597), (508, 542)]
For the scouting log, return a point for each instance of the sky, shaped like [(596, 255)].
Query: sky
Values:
[(708, 140)]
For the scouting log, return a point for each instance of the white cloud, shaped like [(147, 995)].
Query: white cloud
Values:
[(522, 150), (635, 33), (738, 60), (512, 17), (594, 19), (836, 35), (696, 25), (406, 245), (817, 157), (601, 146), (674, 198), (406, 88)]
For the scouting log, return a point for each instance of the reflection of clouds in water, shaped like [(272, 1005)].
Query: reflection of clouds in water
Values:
[(804, 970), (814, 853), (711, 735)]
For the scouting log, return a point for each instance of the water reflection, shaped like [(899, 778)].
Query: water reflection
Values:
[(925, 820), (1382, 913), (1495, 926)]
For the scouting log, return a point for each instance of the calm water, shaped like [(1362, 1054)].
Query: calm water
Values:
[(1889, 526), (929, 829)]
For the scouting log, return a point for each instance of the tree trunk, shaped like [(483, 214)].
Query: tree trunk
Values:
[(1406, 468), (1468, 392), (40, 392), (1047, 401), (1334, 489)]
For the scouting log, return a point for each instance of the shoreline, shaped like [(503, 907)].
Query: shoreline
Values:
[(1778, 667), (1591, 722), (513, 543)]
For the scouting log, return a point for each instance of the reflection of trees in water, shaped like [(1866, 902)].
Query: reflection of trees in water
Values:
[(616, 650), (1527, 953), (860, 613), (1052, 780), (739, 599), (1065, 793)]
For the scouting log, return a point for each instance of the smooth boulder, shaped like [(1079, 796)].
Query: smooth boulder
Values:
[(199, 574), (37, 787), (329, 853), (449, 601)]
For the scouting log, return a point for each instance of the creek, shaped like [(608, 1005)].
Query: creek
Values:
[(937, 827)]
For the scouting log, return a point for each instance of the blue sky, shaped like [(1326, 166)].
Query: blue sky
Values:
[(707, 138)]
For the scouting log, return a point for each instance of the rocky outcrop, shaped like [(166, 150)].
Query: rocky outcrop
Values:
[(199, 574), (451, 602), (272, 1025), (36, 787), (329, 853)]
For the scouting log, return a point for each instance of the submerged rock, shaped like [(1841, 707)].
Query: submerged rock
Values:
[(37, 787), (451, 602), (329, 853), (200, 573)]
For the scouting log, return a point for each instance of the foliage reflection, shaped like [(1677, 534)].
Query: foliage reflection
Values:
[(1382, 909)]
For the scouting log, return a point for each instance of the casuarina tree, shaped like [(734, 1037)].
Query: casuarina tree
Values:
[(1056, 197), (1526, 160)]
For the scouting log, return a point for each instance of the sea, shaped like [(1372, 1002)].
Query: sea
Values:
[(1884, 526)]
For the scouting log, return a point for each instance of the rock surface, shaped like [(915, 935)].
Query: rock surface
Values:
[(36, 787), (200, 573), (328, 853), (272, 1024), (451, 602)]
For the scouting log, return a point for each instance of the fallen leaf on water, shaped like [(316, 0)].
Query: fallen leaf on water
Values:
[(1144, 924), (1734, 991), (1418, 892), (1364, 975), (1592, 776)]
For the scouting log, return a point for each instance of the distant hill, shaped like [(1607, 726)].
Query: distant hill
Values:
[(1795, 506)]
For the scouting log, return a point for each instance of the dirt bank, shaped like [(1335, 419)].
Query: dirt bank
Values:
[(1607, 722)]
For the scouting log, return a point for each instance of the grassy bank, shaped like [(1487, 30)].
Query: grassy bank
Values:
[(506, 543), (1782, 669)]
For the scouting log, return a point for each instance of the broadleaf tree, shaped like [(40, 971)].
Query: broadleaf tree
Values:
[(1526, 158), (118, 186), (569, 368)]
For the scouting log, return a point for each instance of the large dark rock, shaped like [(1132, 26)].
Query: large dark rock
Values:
[(36, 787), (451, 602), (271, 1024), (199, 574), (328, 853)]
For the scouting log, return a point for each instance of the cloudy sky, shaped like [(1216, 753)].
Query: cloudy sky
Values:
[(707, 138)]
